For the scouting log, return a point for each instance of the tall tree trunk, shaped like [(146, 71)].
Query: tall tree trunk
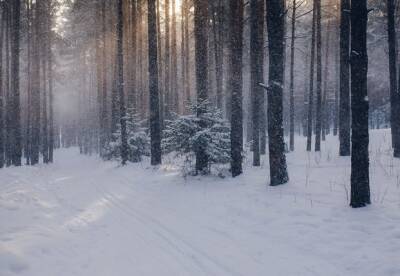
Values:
[(325, 106), (360, 191), (311, 92), (167, 62), (256, 71), (27, 147), (276, 43), (344, 114), (394, 95), (16, 113), (337, 86), (155, 126), (201, 56), (35, 132), (292, 53), (120, 83), (2, 32), (235, 84), (160, 65), (218, 50), (174, 62), (318, 115), (187, 51)]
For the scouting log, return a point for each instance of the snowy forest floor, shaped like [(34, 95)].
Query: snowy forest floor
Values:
[(82, 216)]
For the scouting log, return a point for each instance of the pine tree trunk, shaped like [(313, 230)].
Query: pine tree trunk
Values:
[(167, 62), (256, 71), (325, 106), (2, 140), (155, 125), (360, 191), (235, 84), (318, 115), (344, 109), (311, 92), (292, 53), (201, 56), (120, 83), (276, 44), (394, 95), (35, 129)]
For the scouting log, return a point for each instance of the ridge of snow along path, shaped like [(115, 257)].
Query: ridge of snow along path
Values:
[(82, 216)]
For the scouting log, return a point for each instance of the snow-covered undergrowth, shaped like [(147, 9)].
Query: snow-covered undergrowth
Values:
[(82, 216)]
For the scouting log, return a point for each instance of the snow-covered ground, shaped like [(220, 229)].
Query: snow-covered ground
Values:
[(82, 216)]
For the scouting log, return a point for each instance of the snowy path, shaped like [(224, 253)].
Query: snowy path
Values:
[(81, 216)]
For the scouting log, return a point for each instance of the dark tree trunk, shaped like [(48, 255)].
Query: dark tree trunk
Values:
[(256, 71), (344, 109), (394, 95), (360, 191), (201, 56), (292, 52), (16, 111), (235, 84), (276, 43), (155, 126), (311, 92), (325, 105), (167, 63), (337, 88), (103, 108), (187, 52), (218, 49), (35, 130), (174, 63), (318, 115), (50, 80), (2, 31), (120, 83)]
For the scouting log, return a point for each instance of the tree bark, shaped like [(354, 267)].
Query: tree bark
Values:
[(318, 115), (344, 114), (394, 94), (120, 83), (155, 125), (360, 191), (292, 53), (311, 92), (256, 71), (276, 44), (201, 56), (235, 84)]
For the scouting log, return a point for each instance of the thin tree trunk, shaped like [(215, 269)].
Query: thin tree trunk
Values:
[(120, 83), (155, 126), (344, 114), (325, 106), (257, 71), (311, 92), (292, 53), (2, 31), (167, 62), (318, 115)]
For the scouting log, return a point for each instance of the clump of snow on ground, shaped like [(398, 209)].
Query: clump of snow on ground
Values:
[(83, 216)]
